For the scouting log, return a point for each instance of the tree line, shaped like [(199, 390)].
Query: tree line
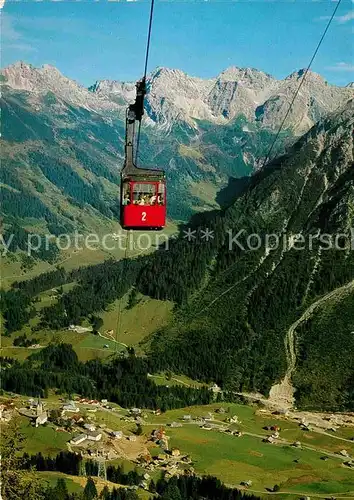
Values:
[(121, 380)]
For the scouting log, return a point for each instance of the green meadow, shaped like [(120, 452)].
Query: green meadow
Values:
[(43, 439)]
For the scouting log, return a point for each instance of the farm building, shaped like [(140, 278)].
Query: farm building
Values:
[(90, 427), (94, 436), (269, 439), (70, 406), (175, 424), (247, 484), (78, 439), (344, 453)]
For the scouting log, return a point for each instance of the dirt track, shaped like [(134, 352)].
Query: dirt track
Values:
[(282, 394)]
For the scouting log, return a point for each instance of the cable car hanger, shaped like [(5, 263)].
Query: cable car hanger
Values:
[(143, 190)]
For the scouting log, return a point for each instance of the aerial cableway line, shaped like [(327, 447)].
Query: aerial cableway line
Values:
[(143, 191), (302, 81)]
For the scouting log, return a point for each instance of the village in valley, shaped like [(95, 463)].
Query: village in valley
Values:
[(175, 442)]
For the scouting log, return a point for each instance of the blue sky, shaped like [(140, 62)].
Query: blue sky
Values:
[(89, 40)]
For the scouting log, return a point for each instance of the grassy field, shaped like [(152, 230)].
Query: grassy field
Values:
[(234, 459), (11, 271), (253, 423), (139, 322), (190, 152), (205, 191), (86, 345), (43, 439), (136, 325), (112, 421), (168, 381), (50, 479)]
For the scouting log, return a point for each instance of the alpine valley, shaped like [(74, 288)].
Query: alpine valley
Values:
[(216, 363), (273, 319)]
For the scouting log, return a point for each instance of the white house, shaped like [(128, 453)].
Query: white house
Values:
[(78, 439), (41, 419), (176, 424), (94, 436), (70, 406), (117, 434), (90, 427)]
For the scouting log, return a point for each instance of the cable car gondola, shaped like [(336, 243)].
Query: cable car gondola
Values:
[(143, 190)]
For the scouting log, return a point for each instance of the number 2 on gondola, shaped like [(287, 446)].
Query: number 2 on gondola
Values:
[(143, 216)]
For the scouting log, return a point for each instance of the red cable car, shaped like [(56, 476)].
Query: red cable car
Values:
[(143, 190)]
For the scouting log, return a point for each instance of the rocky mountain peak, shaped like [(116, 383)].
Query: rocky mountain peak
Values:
[(23, 76), (122, 92), (47, 78), (311, 76), (244, 75)]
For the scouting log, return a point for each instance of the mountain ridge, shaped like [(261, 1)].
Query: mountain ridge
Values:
[(174, 96)]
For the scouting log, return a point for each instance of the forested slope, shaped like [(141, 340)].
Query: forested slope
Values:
[(233, 328)]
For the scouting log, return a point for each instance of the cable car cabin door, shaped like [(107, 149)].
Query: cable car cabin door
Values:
[(143, 204)]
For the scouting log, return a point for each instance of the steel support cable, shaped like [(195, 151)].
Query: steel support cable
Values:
[(145, 70), (301, 82)]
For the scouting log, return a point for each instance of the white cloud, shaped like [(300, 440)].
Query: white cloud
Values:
[(11, 38), (349, 16), (8, 31), (341, 66)]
